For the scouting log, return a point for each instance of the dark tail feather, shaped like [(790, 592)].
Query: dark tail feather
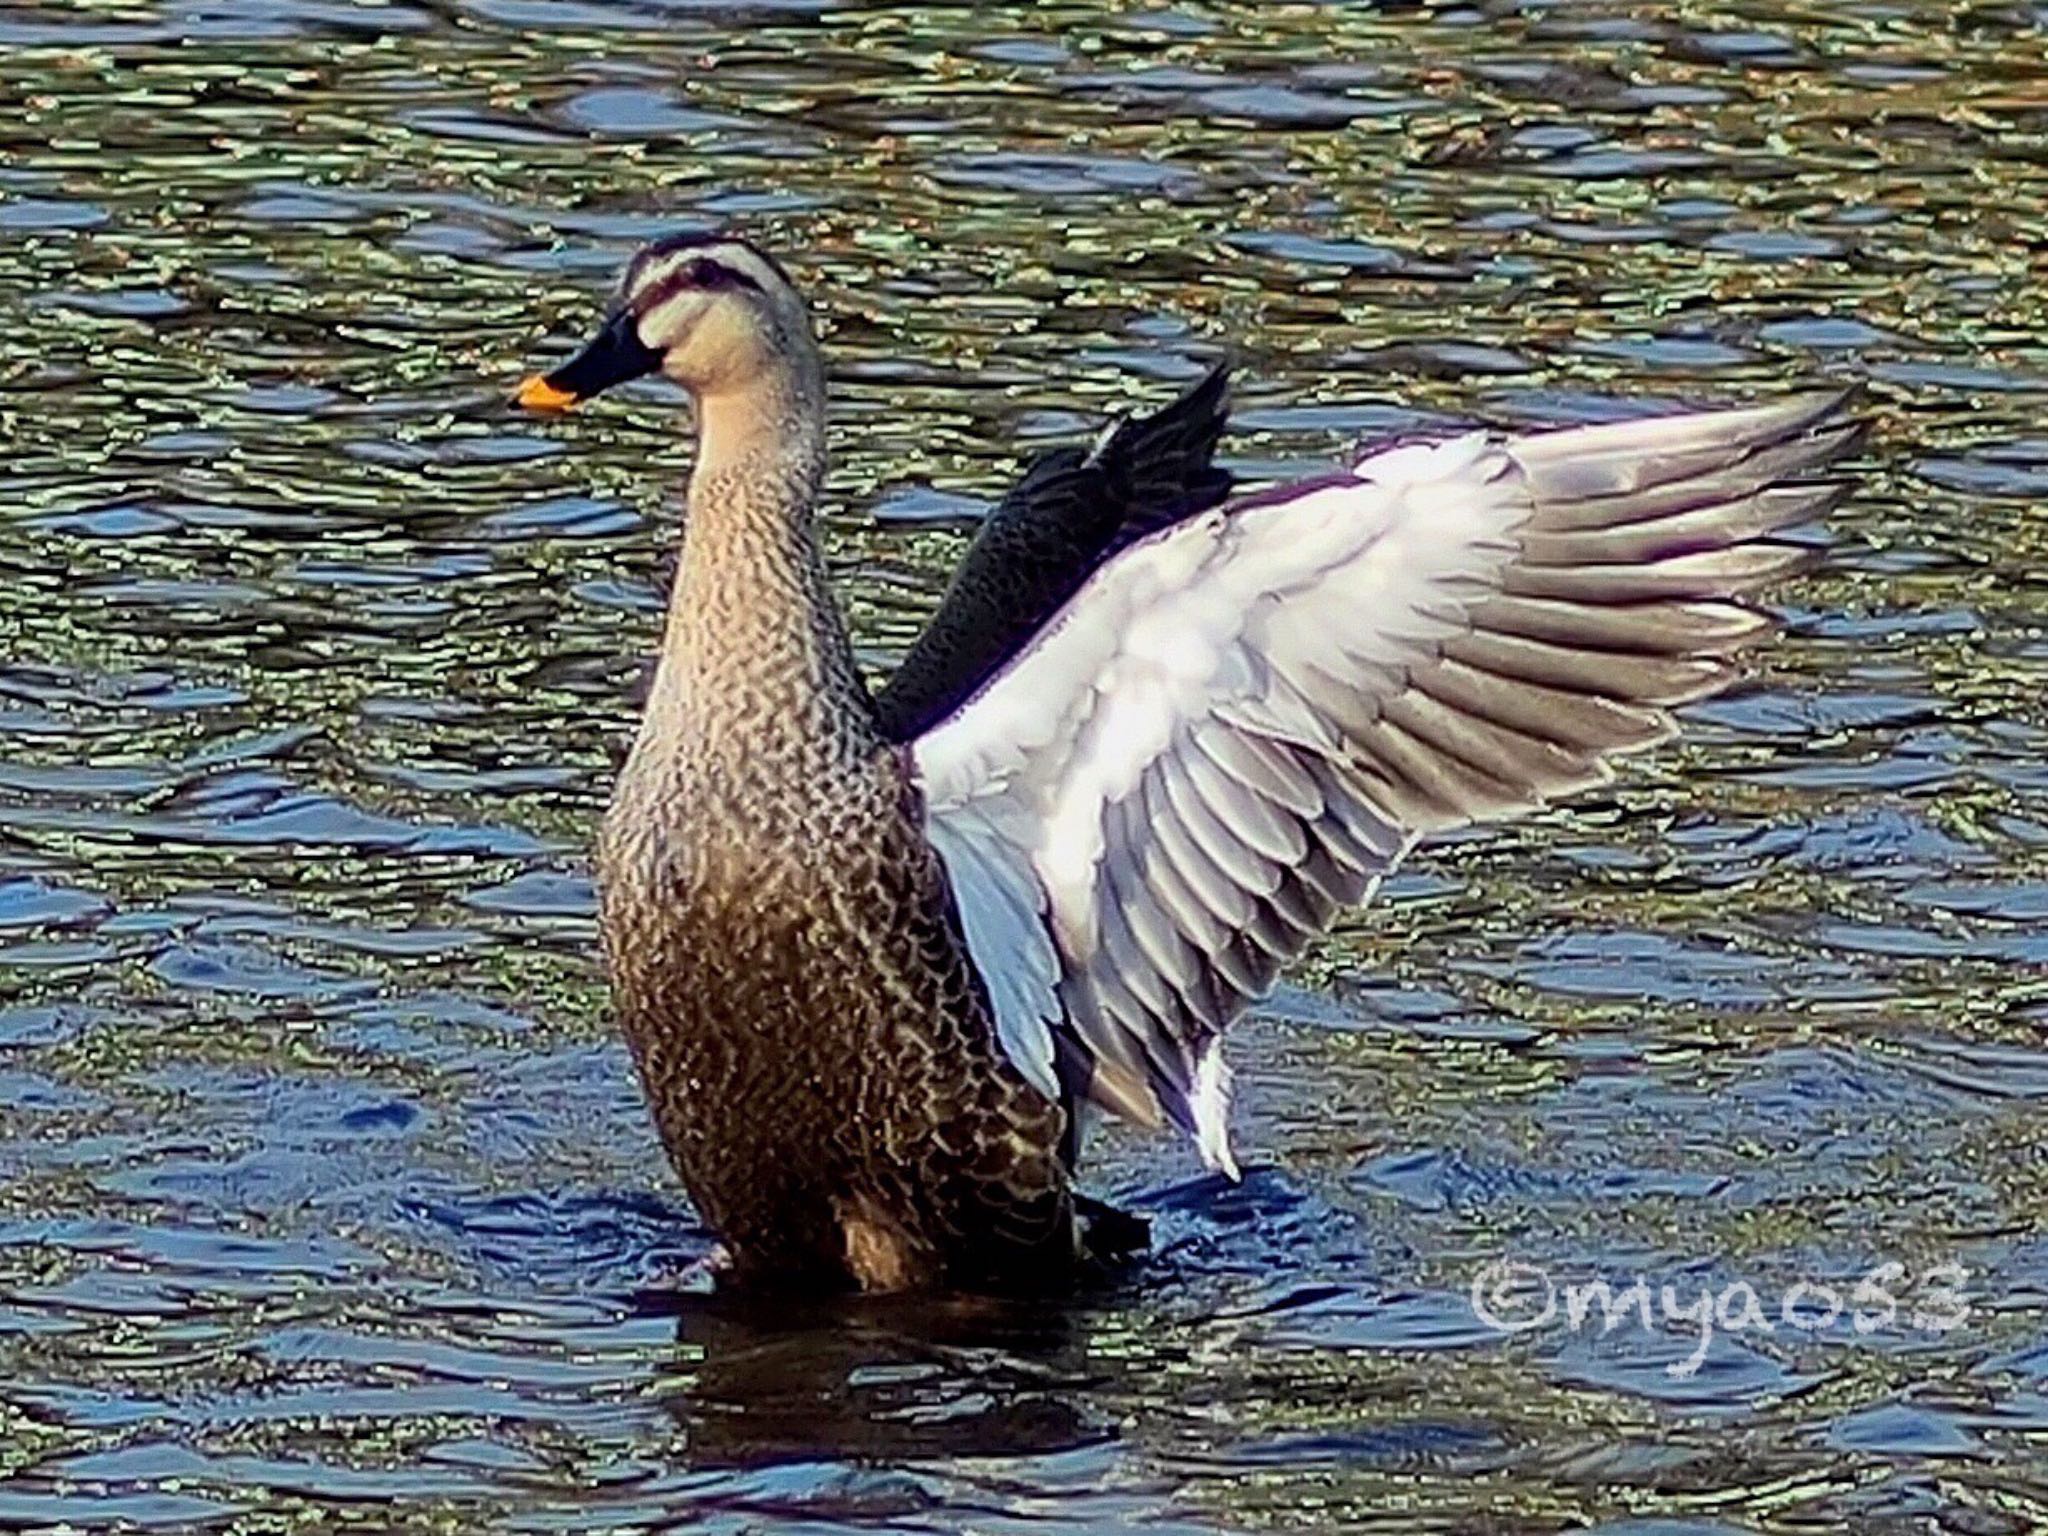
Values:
[(1159, 467), (1071, 512)]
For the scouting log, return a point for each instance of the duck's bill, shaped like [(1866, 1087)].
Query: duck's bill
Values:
[(614, 355)]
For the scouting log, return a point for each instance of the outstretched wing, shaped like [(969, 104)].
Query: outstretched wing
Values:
[(1069, 512), (1241, 724)]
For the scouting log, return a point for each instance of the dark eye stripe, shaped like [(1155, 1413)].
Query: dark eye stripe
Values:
[(706, 273), (694, 240), (703, 274)]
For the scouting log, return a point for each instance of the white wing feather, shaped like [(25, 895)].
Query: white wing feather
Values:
[(1239, 725)]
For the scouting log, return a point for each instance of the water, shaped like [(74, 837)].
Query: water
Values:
[(325, 1193)]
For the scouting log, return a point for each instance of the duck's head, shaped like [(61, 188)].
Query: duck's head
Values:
[(714, 313)]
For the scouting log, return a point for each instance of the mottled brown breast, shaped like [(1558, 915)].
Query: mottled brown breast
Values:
[(815, 1047)]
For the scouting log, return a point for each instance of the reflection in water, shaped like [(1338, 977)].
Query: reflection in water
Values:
[(876, 1381), (326, 1196)]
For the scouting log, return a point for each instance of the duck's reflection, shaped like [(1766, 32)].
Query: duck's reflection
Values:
[(763, 1379)]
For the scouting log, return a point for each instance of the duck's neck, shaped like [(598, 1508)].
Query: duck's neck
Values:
[(756, 670)]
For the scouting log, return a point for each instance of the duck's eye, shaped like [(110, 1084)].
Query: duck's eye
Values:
[(707, 273)]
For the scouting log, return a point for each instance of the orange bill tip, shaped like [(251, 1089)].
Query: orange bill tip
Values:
[(537, 394)]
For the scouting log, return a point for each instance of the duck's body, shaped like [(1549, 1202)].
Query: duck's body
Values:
[(815, 1046), (868, 982), (817, 1052)]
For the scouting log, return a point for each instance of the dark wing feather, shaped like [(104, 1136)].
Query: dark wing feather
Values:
[(1070, 512)]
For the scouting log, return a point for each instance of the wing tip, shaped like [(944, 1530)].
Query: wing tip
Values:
[(1209, 1102)]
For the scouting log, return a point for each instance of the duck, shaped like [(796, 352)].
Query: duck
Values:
[(881, 957)]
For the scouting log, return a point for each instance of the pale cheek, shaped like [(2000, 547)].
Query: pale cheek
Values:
[(669, 325)]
